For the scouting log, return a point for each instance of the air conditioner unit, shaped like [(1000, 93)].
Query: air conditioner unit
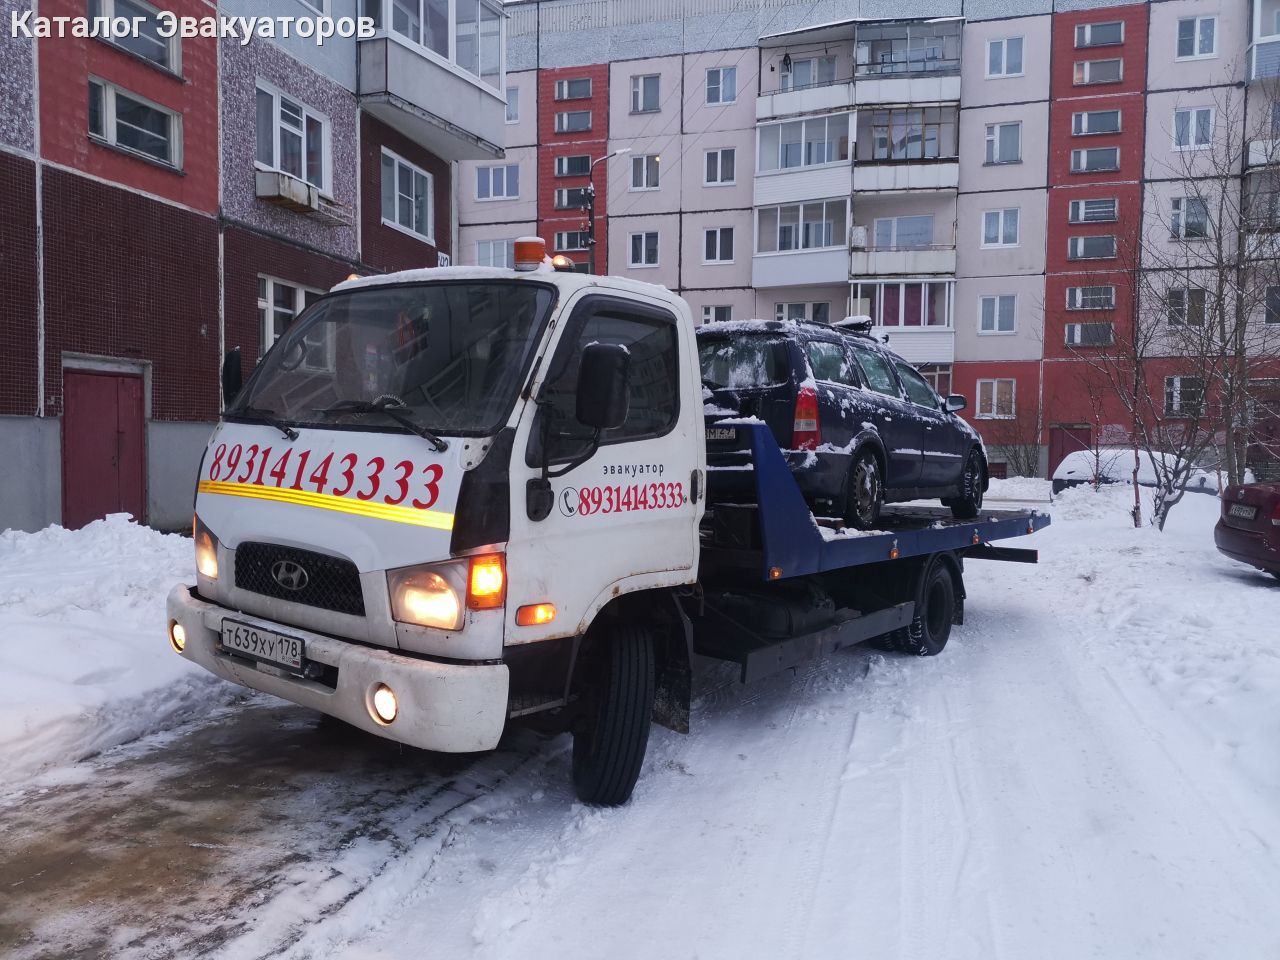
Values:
[(858, 237), (286, 191)]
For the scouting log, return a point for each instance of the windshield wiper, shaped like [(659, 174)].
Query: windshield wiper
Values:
[(265, 416), (393, 408)]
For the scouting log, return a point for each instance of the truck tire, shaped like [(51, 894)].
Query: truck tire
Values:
[(935, 608), (865, 494), (969, 503), (610, 741)]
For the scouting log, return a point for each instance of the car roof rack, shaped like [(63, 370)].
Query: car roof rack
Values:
[(858, 324)]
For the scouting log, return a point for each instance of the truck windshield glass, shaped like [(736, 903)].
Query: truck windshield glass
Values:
[(447, 356), (745, 361)]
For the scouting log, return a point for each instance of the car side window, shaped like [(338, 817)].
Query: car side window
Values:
[(829, 362), (918, 388), (877, 371), (652, 386)]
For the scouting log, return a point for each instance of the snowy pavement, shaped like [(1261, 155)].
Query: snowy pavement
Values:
[(1089, 769)]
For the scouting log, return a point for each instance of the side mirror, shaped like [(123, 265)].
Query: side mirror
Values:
[(232, 376), (955, 403), (602, 386)]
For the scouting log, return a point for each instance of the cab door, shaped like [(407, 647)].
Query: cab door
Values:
[(624, 515), (900, 431)]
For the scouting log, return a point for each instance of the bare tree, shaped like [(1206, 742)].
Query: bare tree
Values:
[(1017, 438)]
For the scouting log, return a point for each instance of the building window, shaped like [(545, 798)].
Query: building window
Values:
[(1091, 248), (998, 314), (1186, 306), (1091, 298), (292, 138), (819, 312), (278, 304), (571, 198), (1095, 159), (718, 313), (1095, 121), (1093, 211), (1272, 314), (722, 85), (996, 399), (1197, 37), (1098, 71), (804, 143), (1100, 34), (498, 183), (718, 245), (407, 197), (579, 89), (573, 121), (125, 120), (938, 376), (644, 249), (801, 226), (477, 32), (644, 94), (1000, 227), (145, 41), (720, 167), (808, 72), (1004, 57), (495, 253), (1192, 128), (907, 133), (904, 233), (1189, 219), (1183, 396), (920, 303), (644, 172), (576, 165), (1089, 334), (513, 104), (573, 240), (1004, 142)]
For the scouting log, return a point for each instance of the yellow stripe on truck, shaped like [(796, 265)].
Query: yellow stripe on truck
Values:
[(326, 501)]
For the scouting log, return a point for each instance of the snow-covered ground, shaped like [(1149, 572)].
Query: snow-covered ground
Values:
[(1089, 769)]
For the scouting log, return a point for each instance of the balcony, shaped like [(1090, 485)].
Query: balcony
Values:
[(800, 268), (441, 89), (918, 345), (814, 98), (1264, 152), (916, 261), (897, 176)]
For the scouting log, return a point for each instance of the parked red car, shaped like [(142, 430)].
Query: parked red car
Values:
[(1249, 528)]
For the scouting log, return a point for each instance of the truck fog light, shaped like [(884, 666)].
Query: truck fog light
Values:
[(385, 706), (177, 636)]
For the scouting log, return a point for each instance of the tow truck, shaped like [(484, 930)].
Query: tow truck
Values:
[(452, 499)]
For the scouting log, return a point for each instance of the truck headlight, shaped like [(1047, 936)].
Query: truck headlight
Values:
[(206, 550), (426, 596)]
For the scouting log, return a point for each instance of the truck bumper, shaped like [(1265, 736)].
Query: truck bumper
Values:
[(447, 707)]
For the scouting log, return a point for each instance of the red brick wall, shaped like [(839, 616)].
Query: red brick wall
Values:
[(1133, 51), (131, 277), (387, 248), (19, 329), (246, 255), (594, 144), (964, 380), (65, 66)]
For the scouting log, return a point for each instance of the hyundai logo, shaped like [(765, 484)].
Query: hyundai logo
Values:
[(290, 575)]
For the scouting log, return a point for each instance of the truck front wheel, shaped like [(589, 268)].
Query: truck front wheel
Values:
[(610, 739)]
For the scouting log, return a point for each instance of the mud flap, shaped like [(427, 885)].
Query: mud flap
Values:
[(675, 673)]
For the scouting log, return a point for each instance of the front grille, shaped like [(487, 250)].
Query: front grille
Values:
[(331, 582)]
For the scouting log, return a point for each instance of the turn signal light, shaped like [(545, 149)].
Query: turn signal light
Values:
[(487, 582), (535, 614)]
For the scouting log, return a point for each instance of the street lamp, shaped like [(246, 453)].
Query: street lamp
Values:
[(589, 202)]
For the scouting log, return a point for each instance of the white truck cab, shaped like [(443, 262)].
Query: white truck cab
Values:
[(448, 498)]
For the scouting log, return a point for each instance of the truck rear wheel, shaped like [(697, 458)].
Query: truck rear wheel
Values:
[(935, 609), (610, 741)]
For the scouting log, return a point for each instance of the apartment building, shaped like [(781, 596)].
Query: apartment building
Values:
[(163, 200), (970, 175)]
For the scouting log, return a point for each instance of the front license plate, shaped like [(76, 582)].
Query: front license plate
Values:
[(721, 433), (1243, 511), (264, 645)]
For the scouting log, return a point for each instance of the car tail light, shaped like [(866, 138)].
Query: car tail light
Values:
[(805, 434)]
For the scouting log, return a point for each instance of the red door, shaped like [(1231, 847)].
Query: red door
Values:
[(103, 447), (1064, 440)]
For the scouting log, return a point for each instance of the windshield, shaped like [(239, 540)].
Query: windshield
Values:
[(449, 355)]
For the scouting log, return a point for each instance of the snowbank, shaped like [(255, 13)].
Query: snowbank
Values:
[(84, 662), (1020, 488)]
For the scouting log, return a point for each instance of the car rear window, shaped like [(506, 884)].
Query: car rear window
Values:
[(748, 360)]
